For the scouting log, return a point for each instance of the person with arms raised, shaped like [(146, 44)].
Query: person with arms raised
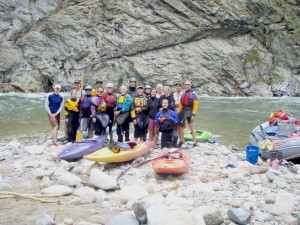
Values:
[(54, 103)]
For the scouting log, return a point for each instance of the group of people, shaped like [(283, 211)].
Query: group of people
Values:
[(151, 110)]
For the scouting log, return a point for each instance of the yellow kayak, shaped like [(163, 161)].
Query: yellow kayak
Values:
[(106, 155)]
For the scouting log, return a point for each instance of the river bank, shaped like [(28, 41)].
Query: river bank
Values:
[(211, 192)]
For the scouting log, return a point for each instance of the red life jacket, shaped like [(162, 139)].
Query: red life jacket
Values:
[(111, 100), (186, 99)]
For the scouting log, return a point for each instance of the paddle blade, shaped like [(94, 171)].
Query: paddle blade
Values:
[(269, 144), (261, 145), (79, 136)]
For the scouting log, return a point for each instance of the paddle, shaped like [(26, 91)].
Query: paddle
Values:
[(79, 136), (135, 164), (268, 142), (120, 82)]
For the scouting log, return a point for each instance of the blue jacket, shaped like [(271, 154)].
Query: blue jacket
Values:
[(166, 113), (123, 106), (54, 103)]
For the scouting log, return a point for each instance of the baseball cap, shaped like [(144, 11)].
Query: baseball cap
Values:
[(77, 82), (110, 85), (88, 88), (132, 79), (100, 89), (147, 86), (99, 81), (57, 86), (178, 83), (139, 87)]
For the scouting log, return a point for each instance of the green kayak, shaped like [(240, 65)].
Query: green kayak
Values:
[(202, 135)]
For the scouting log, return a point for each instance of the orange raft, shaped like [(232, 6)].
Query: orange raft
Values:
[(174, 163)]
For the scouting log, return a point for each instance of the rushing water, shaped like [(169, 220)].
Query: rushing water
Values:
[(231, 118)]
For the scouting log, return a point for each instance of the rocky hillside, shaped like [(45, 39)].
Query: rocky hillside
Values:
[(227, 47)]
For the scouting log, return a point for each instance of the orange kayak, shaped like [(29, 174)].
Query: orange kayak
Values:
[(175, 163)]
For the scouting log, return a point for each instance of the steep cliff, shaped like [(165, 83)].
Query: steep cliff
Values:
[(226, 47)]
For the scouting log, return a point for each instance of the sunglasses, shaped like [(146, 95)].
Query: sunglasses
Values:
[(109, 87), (187, 84)]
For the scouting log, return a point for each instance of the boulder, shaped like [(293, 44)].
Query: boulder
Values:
[(132, 192), (283, 209), (211, 215), (57, 190), (155, 213), (125, 218), (239, 216), (86, 194), (34, 149), (139, 211), (68, 179), (177, 217), (101, 180)]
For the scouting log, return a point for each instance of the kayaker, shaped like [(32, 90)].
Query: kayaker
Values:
[(153, 104), (169, 96), (85, 117), (139, 109), (54, 104), (78, 89), (111, 100), (122, 110), (147, 91), (72, 116), (177, 95), (99, 84), (166, 119), (132, 87), (187, 110), (98, 106), (159, 90)]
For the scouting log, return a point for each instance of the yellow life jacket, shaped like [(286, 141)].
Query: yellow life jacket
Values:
[(102, 107), (140, 103), (71, 106), (95, 92)]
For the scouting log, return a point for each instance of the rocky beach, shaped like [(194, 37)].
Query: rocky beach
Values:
[(221, 187)]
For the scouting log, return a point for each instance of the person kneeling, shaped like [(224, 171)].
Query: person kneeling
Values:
[(166, 119)]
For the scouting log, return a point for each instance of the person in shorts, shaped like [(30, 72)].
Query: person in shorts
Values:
[(54, 103), (187, 110), (153, 107)]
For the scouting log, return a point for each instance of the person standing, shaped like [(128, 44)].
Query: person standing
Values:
[(177, 95), (111, 100), (169, 96), (99, 84), (166, 119), (159, 90), (85, 117), (187, 110), (72, 116), (132, 87), (78, 89), (122, 114), (153, 108), (147, 91), (98, 106), (54, 104), (139, 109)]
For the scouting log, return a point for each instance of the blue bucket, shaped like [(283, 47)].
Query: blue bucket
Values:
[(252, 153)]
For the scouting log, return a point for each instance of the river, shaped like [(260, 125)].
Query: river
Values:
[(230, 119)]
